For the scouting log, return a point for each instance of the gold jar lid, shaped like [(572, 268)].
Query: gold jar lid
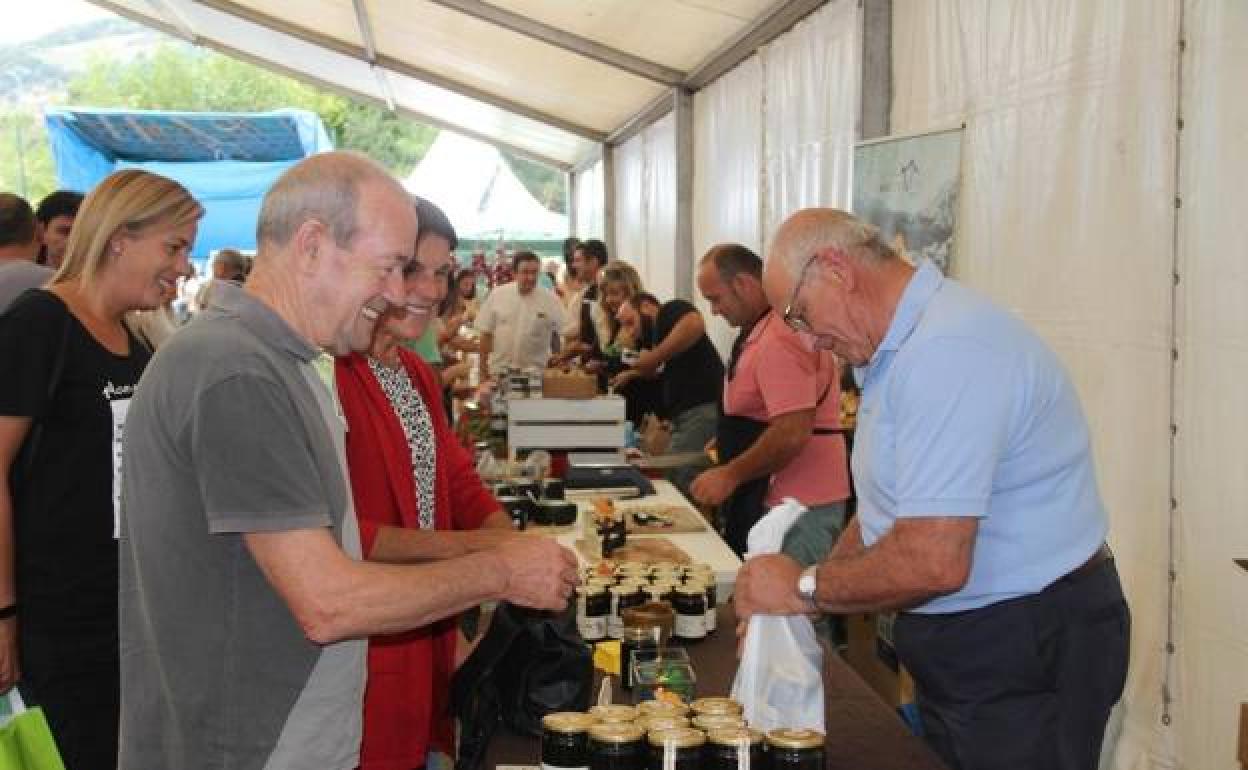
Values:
[(718, 721), (626, 589), (790, 738), (615, 732), (734, 736), (613, 712), (679, 737), (655, 708), (568, 722), (691, 589), (660, 722), (716, 705)]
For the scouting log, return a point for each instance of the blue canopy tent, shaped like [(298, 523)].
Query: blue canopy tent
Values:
[(227, 160)]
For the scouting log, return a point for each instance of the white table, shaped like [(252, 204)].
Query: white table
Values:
[(706, 546)]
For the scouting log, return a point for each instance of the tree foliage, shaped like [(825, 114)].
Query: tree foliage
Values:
[(177, 77)]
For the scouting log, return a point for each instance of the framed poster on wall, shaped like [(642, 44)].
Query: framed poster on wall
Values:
[(908, 187)]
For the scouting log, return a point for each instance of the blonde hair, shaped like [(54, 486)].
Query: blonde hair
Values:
[(618, 271), (127, 201)]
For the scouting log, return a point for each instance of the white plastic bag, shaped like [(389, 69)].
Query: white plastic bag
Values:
[(780, 678)]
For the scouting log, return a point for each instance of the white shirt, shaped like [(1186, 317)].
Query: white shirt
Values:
[(521, 324)]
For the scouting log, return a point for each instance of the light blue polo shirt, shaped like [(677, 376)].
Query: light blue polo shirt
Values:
[(966, 412)]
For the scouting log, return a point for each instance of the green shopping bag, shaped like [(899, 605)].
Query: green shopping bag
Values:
[(25, 740)]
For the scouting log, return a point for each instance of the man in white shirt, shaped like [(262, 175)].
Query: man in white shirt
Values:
[(519, 320)]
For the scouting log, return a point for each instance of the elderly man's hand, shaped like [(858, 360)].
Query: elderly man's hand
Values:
[(713, 486), (767, 585), (540, 573)]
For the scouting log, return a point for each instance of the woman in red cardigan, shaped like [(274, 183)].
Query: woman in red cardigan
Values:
[(409, 475)]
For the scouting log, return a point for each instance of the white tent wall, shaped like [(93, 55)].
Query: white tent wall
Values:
[(590, 202), (659, 267), (810, 86), (645, 205), (1066, 216), (1212, 440), (776, 134), (728, 173)]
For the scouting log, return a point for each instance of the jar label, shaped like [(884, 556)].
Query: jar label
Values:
[(690, 626), (546, 766), (711, 622), (592, 627)]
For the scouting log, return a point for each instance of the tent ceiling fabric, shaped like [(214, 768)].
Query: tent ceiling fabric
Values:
[(541, 93)]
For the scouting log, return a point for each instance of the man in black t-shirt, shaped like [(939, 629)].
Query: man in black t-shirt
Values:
[(693, 380)]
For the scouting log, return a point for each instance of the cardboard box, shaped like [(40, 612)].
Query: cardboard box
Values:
[(872, 656), (574, 383)]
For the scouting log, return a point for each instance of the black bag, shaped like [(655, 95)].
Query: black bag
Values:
[(529, 664)]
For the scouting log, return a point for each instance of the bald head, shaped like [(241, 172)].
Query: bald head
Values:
[(325, 188), (812, 230)]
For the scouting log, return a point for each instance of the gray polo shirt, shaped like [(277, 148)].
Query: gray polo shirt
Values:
[(230, 431), (18, 275)]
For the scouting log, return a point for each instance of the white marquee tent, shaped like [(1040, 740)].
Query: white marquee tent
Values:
[(1104, 144), (480, 194)]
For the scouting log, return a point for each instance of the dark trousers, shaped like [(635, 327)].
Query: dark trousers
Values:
[(76, 680), (1026, 684)]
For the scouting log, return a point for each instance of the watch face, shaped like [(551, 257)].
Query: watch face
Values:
[(806, 584)]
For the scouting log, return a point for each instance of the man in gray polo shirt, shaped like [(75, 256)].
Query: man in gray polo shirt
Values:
[(244, 606)]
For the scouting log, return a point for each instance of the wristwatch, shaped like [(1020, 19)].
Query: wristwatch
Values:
[(807, 583)]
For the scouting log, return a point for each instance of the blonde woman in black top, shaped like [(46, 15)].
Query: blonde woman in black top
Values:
[(71, 367)]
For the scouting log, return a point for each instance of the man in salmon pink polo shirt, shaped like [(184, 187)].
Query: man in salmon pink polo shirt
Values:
[(779, 435)]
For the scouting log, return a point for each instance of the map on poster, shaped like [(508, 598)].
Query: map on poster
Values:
[(908, 187)]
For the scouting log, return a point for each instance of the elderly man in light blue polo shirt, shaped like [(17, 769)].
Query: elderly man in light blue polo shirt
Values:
[(979, 516)]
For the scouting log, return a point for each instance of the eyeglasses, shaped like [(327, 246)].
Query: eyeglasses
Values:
[(792, 316)]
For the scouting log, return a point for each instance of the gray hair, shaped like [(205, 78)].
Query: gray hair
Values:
[(324, 187), (810, 230)]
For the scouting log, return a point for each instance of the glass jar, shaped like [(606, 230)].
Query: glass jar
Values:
[(593, 606), (635, 642), (616, 746), (795, 749), (724, 750), (625, 595), (685, 743), (613, 713), (690, 607), (662, 708), (565, 740), (716, 705), (651, 724)]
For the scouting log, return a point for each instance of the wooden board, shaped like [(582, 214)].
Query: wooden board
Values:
[(647, 551), (683, 518)]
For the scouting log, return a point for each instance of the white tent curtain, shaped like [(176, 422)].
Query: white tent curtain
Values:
[(1066, 216), (659, 266), (811, 85), (728, 163), (645, 200), (590, 202), (776, 134), (1212, 438), (630, 209)]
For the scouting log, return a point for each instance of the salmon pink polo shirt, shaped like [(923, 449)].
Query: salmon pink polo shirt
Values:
[(777, 375)]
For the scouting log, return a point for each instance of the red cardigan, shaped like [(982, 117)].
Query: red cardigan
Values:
[(406, 700)]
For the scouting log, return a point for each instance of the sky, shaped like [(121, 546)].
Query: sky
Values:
[(35, 19)]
